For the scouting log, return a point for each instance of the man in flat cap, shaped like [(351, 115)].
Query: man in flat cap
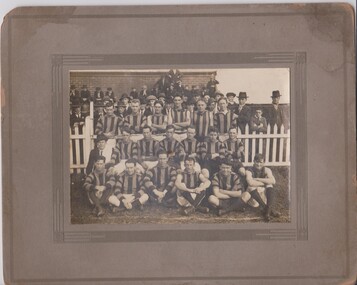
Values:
[(232, 105), (212, 84)]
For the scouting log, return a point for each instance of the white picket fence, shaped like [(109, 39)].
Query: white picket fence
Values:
[(274, 145)]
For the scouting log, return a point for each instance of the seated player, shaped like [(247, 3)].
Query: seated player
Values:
[(147, 149), (99, 186), (124, 149), (211, 149), (228, 191), (190, 148), (235, 148), (260, 181), (102, 149), (128, 189), (171, 146), (160, 182), (224, 119), (191, 186), (202, 119)]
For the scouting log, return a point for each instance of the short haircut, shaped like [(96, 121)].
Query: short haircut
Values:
[(201, 100), (161, 151), (223, 98), (233, 128), (130, 160), (170, 127), (135, 101), (101, 157), (109, 104), (259, 157), (177, 95), (188, 158), (126, 129), (226, 161), (147, 127), (212, 129), (159, 102)]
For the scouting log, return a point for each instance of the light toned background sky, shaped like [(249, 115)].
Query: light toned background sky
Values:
[(8, 5)]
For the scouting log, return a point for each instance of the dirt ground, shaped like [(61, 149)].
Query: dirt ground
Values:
[(154, 214)]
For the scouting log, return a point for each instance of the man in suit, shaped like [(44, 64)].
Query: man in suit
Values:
[(277, 113), (74, 97), (101, 149), (98, 96), (212, 84), (243, 111), (77, 118)]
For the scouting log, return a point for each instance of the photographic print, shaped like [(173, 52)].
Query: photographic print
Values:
[(180, 146)]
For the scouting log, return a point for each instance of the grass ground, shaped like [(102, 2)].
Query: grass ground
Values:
[(82, 210)]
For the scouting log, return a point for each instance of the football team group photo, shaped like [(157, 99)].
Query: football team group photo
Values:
[(180, 146)]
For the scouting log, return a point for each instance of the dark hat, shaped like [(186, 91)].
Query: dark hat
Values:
[(84, 86), (101, 138), (151, 97), (109, 88), (73, 86), (242, 95), (162, 95), (231, 94), (276, 94), (124, 95), (169, 100), (97, 88)]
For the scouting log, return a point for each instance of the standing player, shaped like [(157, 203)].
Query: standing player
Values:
[(179, 118), (135, 120), (224, 119), (202, 120), (260, 181), (192, 187), (157, 121), (160, 182), (228, 191)]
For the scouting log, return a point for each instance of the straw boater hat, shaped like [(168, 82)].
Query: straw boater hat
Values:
[(231, 94)]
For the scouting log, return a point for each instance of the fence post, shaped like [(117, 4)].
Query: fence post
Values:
[(253, 144), (275, 131), (267, 148), (281, 144)]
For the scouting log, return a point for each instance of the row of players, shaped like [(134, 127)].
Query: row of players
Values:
[(148, 153), (187, 189)]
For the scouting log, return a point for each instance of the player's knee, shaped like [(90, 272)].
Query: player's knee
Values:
[(246, 197), (114, 201), (205, 172), (144, 198), (250, 188), (213, 200), (260, 189)]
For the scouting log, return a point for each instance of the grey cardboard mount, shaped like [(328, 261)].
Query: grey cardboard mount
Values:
[(39, 48)]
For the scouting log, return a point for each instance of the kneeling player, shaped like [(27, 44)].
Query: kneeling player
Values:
[(128, 189), (228, 190), (99, 185), (260, 181), (192, 187)]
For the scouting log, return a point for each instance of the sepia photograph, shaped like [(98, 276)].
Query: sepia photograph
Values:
[(180, 146)]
